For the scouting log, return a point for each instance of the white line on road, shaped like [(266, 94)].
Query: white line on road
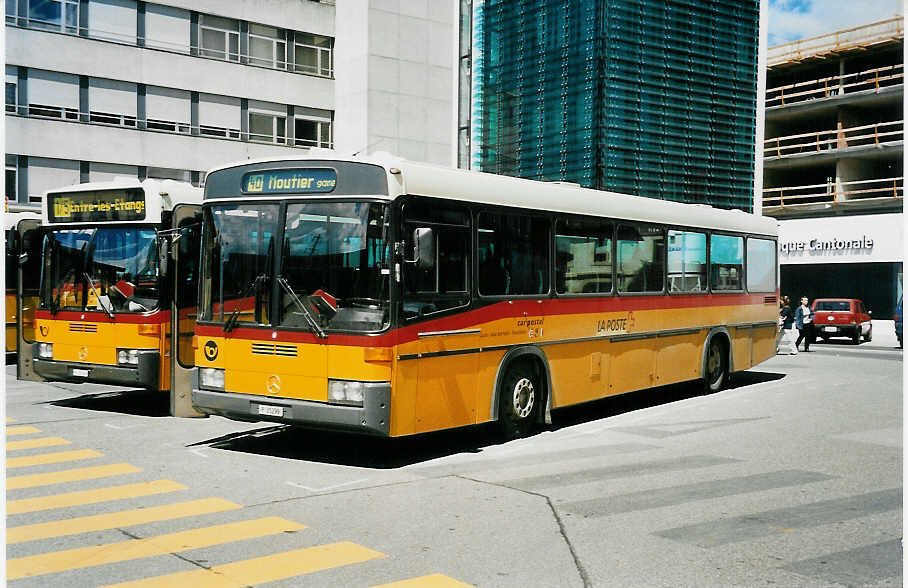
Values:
[(119, 428), (198, 452), (295, 485)]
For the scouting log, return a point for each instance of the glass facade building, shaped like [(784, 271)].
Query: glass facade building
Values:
[(650, 97)]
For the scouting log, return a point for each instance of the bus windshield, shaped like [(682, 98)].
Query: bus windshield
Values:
[(108, 269), (334, 269)]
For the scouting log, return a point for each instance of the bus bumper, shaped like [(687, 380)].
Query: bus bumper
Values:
[(373, 418), (145, 375)]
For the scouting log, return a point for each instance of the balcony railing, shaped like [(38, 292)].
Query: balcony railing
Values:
[(872, 79), (855, 38), (821, 141), (884, 189)]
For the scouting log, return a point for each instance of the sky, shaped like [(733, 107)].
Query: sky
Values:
[(790, 20)]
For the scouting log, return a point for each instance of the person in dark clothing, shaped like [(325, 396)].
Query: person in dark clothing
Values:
[(804, 324), (786, 327)]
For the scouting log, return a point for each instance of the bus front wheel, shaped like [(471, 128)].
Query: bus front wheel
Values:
[(519, 400), (716, 366)]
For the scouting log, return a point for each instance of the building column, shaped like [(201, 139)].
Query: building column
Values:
[(244, 42), (194, 113), (291, 125), (22, 91), (83, 100), (84, 172), (244, 119), (83, 18), (291, 52), (141, 107), (193, 33)]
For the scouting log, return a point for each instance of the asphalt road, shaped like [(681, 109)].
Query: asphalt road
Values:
[(793, 477)]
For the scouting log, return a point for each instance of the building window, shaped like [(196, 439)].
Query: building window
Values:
[(313, 133), (267, 46), (314, 54), (267, 128), (53, 15), (11, 6), (219, 37), (11, 96), (11, 183), (53, 111)]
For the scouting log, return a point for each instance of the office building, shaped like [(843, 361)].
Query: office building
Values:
[(833, 163), (650, 97)]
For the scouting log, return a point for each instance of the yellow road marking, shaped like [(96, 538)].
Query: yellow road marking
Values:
[(91, 496), (112, 520), (45, 458), (84, 557), (23, 430), (271, 568), (431, 581), (9, 420), (73, 475), (36, 443)]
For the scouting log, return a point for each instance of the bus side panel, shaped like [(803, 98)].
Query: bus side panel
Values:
[(11, 336), (742, 345), (489, 361), (403, 392), (679, 358), (764, 343), (575, 378), (633, 365)]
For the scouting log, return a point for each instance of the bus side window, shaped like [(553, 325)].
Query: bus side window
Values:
[(446, 285), (513, 255), (641, 255), (726, 261)]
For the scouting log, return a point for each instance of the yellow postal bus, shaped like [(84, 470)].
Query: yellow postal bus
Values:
[(392, 298), (111, 290)]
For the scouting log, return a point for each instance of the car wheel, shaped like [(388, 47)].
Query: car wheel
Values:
[(518, 400), (856, 338), (716, 366)]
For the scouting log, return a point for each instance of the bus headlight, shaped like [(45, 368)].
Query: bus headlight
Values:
[(212, 378), (46, 350), (345, 392), (128, 356)]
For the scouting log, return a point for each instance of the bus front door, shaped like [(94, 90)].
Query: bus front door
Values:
[(185, 256), (28, 283)]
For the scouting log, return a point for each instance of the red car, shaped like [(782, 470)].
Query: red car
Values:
[(841, 317)]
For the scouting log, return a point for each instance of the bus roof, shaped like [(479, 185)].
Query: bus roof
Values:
[(409, 177), (157, 196)]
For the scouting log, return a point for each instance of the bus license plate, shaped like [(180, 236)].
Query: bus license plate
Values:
[(830, 329), (275, 411), (80, 373)]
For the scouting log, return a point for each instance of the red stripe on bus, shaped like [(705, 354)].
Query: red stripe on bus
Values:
[(160, 316), (500, 310)]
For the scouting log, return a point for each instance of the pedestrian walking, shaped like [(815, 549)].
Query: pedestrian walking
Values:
[(804, 324), (786, 341)]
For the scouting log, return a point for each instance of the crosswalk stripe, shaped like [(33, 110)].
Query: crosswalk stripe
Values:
[(84, 557), (431, 581), (46, 458), (22, 430), (73, 475), (36, 443), (112, 520), (91, 496), (270, 568)]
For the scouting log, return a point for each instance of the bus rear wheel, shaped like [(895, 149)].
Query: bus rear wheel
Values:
[(716, 366), (518, 400)]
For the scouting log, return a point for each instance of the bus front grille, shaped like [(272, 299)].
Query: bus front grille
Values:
[(274, 349), (82, 328)]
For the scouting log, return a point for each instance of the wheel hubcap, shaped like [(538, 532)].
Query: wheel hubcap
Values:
[(524, 397)]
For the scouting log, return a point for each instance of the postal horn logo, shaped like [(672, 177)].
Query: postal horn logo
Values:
[(83, 353), (44, 330), (211, 350), (274, 385)]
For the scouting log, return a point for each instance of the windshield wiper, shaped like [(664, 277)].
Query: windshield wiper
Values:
[(91, 284), (299, 304), (234, 316)]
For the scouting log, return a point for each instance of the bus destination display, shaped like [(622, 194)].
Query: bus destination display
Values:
[(290, 181), (107, 205)]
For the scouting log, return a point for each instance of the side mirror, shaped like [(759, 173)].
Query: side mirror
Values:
[(164, 255), (23, 258), (423, 248)]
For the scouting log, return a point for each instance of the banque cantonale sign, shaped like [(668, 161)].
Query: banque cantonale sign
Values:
[(834, 244)]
